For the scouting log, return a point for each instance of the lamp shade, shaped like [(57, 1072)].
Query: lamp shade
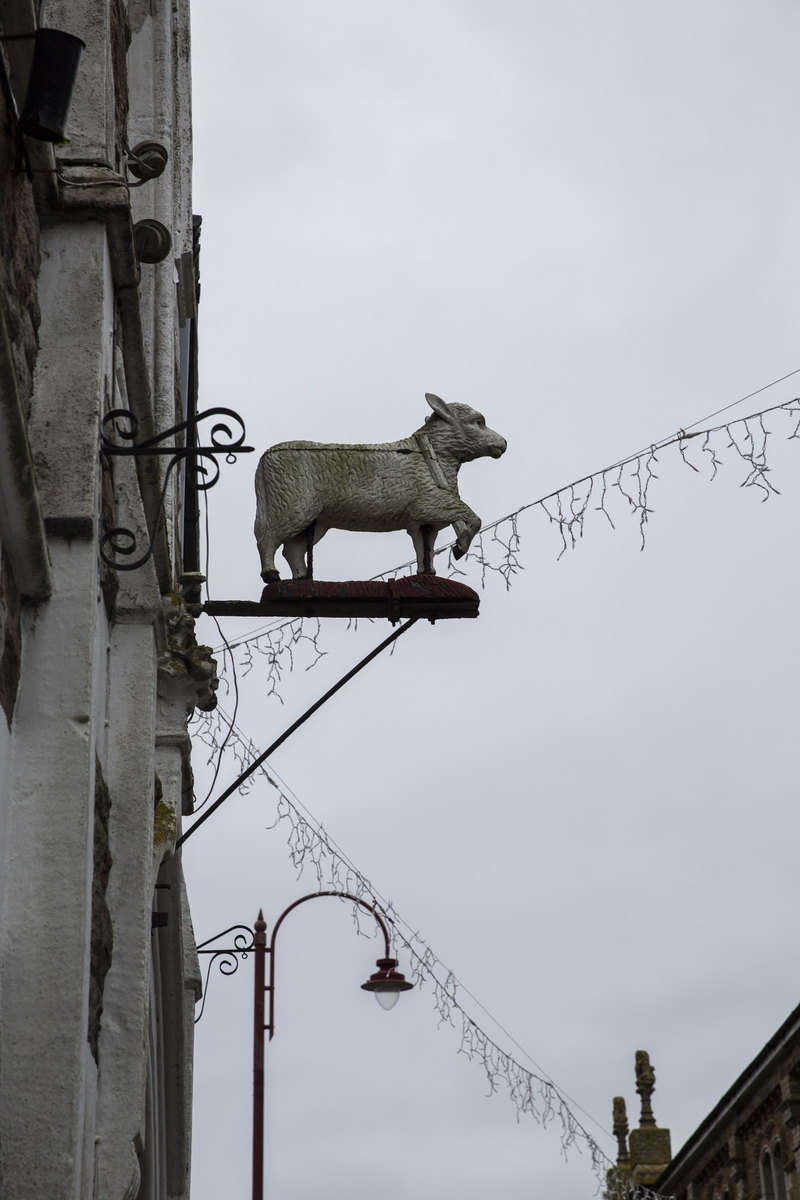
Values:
[(387, 983)]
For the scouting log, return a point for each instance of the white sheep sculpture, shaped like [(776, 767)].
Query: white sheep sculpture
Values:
[(303, 489)]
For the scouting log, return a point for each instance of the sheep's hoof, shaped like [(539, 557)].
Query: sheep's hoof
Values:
[(458, 552), (270, 576)]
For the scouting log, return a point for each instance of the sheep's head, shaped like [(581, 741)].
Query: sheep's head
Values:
[(461, 431)]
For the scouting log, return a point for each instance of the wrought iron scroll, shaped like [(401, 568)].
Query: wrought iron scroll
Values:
[(226, 957), (122, 423)]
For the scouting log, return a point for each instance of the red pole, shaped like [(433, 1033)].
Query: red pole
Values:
[(260, 942)]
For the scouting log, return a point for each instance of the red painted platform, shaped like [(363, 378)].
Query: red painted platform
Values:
[(426, 596)]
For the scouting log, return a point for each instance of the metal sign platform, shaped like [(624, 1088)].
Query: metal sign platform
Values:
[(421, 596)]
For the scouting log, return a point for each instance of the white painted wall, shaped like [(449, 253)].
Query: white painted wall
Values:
[(71, 1128)]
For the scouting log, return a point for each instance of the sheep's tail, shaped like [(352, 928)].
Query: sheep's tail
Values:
[(262, 496)]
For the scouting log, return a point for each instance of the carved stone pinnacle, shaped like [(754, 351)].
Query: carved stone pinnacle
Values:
[(645, 1086), (620, 1128)]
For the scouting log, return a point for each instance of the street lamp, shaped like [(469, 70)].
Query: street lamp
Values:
[(387, 983)]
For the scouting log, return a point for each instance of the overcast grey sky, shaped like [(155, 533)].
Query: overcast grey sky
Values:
[(581, 219)]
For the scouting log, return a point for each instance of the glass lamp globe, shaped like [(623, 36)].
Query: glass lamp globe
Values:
[(387, 999), (387, 983)]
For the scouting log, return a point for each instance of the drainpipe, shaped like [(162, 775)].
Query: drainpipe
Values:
[(21, 521)]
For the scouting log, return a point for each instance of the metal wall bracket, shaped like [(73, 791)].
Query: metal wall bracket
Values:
[(228, 956), (120, 426)]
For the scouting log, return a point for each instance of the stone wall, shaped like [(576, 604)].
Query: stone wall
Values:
[(99, 672), (19, 253), (746, 1147)]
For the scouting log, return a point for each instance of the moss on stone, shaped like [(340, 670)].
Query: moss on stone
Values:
[(165, 824)]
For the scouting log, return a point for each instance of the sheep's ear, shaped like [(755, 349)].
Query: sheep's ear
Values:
[(440, 408)]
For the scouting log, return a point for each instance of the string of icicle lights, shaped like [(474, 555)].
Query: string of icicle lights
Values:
[(311, 848), (623, 488)]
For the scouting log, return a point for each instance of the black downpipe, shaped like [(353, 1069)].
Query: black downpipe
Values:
[(191, 498)]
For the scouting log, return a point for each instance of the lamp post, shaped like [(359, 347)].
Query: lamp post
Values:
[(387, 983)]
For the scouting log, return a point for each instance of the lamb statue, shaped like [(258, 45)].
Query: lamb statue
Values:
[(303, 489)]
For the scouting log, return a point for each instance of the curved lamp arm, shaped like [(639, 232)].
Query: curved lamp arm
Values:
[(271, 950)]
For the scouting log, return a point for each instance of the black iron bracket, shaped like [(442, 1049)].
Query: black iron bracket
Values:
[(227, 958), (120, 429)]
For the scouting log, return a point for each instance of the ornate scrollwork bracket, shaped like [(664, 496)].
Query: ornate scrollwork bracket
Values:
[(226, 957), (122, 423)]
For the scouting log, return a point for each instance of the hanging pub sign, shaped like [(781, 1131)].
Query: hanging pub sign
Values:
[(303, 489)]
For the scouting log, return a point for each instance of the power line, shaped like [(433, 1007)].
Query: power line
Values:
[(325, 838), (749, 396), (316, 824), (679, 437)]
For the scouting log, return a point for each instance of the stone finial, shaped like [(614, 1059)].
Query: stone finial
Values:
[(650, 1148), (187, 680), (620, 1128), (645, 1086), (187, 672)]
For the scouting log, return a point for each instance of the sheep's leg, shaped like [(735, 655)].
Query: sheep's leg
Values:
[(424, 537), (315, 532), (298, 550), (294, 551), (266, 550), (465, 526), (453, 512), (310, 552), (428, 534)]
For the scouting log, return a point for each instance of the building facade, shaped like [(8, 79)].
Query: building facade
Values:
[(747, 1146), (745, 1149), (99, 667)]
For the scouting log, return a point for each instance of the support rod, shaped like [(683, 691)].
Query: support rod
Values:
[(256, 763), (260, 941)]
